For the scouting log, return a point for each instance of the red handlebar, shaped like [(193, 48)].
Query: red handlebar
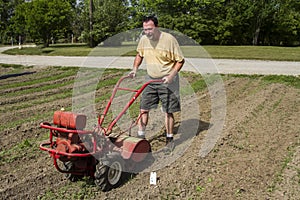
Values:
[(137, 93), (131, 76)]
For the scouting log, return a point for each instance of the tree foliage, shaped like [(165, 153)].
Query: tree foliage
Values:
[(7, 10), (234, 22), (43, 19), (225, 22), (108, 17)]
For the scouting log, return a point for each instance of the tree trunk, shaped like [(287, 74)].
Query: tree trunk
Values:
[(257, 30), (45, 42), (256, 35), (91, 23)]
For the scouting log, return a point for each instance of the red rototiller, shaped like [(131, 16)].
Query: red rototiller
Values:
[(95, 153)]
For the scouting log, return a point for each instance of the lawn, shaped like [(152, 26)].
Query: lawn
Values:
[(226, 52)]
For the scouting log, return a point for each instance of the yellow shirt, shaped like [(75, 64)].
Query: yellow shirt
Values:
[(160, 55)]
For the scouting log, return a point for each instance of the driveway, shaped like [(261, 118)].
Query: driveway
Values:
[(201, 65)]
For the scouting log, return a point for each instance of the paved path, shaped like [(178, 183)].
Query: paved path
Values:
[(223, 66)]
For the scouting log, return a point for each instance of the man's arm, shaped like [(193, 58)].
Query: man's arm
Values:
[(137, 62), (177, 67)]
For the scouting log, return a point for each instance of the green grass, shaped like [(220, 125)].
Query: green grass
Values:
[(35, 118), (13, 69), (41, 88), (196, 81), (83, 189), (12, 66), (19, 151), (293, 81), (53, 50), (23, 105), (228, 52), (255, 52), (285, 163), (64, 72)]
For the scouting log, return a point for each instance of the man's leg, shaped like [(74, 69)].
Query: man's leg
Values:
[(149, 100), (169, 122), (142, 123)]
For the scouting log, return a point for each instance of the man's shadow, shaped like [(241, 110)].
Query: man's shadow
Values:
[(15, 75), (189, 128), (183, 134), (185, 130)]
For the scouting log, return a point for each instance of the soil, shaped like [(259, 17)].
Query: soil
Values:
[(256, 156)]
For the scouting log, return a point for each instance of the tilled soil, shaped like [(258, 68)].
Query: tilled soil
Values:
[(255, 157)]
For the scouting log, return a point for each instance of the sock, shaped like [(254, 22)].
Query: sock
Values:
[(141, 133), (169, 135)]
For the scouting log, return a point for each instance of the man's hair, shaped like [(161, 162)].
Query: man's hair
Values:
[(151, 18)]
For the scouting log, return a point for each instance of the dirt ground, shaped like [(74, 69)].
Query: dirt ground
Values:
[(257, 155)]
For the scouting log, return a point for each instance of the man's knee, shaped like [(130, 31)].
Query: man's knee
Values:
[(169, 115)]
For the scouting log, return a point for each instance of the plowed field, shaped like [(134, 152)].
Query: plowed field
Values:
[(257, 155)]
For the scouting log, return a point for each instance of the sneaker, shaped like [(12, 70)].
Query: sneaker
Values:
[(141, 136), (169, 145)]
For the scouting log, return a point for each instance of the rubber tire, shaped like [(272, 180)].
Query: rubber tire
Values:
[(109, 172), (69, 166)]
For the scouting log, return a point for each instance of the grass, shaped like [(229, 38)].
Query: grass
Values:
[(80, 190), (19, 151), (255, 52), (41, 88), (26, 104), (53, 50), (285, 163), (35, 118), (65, 72), (196, 82), (293, 81), (226, 52), (47, 87)]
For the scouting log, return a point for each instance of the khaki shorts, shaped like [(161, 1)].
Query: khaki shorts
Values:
[(167, 94)]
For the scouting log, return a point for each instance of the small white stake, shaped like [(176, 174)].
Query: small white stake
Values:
[(153, 178)]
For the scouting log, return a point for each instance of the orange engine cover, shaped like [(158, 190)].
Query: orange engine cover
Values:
[(69, 120), (133, 148), (64, 145)]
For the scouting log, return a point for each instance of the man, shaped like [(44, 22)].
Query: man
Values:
[(164, 60)]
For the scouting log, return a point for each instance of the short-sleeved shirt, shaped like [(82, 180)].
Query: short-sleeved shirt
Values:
[(160, 55)]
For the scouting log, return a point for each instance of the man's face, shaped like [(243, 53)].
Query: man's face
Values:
[(149, 29)]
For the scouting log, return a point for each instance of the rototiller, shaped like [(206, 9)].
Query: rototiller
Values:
[(95, 153)]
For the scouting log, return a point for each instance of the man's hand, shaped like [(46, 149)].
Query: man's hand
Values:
[(167, 79), (132, 73)]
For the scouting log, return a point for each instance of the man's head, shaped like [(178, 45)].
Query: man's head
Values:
[(150, 27)]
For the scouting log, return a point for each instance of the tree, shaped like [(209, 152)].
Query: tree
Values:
[(78, 22), (225, 22), (287, 19), (194, 18), (44, 19), (7, 10), (109, 17)]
